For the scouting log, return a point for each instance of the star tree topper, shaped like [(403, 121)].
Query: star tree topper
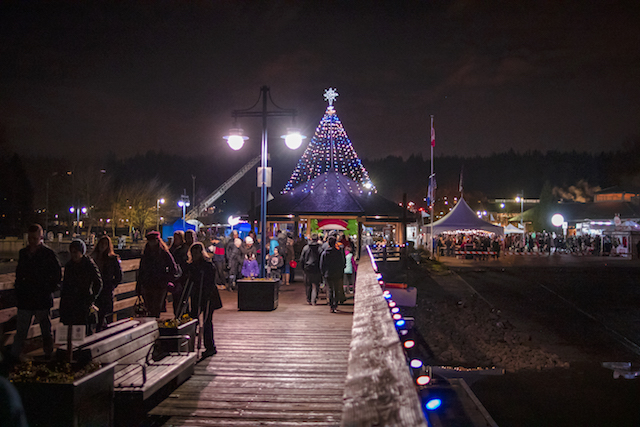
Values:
[(330, 95)]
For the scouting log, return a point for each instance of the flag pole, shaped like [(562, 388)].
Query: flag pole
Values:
[(433, 190)]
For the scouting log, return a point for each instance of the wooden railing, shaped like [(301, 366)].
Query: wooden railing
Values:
[(124, 299), (379, 389)]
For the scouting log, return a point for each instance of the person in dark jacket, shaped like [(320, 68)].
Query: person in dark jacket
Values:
[(332, 263), (233, 253), (11, 410), (204, 295), (109, 265), (180, 251), (81, 285), (310, 263), (218, 244), (157, 269), (37, 276)]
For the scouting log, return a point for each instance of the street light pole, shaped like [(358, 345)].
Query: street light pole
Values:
[(158, 203), (77, 211), (522, 211), (183, 203), (235, 142)]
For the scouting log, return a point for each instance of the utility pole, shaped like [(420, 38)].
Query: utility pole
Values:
[(193, 193)]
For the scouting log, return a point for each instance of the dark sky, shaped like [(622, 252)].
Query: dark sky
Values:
[(93, 77)]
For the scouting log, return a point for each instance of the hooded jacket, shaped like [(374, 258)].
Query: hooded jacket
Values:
[(332, 263)]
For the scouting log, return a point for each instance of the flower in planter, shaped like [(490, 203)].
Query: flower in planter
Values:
[(51, 372), (174, 323)]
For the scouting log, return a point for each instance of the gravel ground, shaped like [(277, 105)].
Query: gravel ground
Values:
[(549, 380), (464, 330)]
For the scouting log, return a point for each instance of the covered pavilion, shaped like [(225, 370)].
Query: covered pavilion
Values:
[(334, 196)]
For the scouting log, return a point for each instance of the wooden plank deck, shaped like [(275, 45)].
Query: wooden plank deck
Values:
[(276, 368)]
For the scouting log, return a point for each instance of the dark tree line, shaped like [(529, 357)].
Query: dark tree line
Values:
[(29, 184), (16, 196), (504, 175)]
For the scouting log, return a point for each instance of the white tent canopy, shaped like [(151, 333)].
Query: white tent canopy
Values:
[(512, 229), (463, 218)]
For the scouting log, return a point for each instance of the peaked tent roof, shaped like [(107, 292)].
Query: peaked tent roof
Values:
[(512, 229), (462, 217), (332, 194)]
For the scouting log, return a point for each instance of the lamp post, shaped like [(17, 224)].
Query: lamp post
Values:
[(46, 209), (184, 203), (77, 211), (521, 200), (158, 203), (236, 141)]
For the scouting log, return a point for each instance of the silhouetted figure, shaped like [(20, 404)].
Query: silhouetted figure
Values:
[(80, 287), (310, 262), (180, 251), (157, 269), (204, 294), (109, 265), (332, 264), (37, 276)]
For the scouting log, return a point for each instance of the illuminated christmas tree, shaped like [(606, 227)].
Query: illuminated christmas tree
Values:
[(330, 150)]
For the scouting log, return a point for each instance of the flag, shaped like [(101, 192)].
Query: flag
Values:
[(461, 172), (433, 134), (431, 191)]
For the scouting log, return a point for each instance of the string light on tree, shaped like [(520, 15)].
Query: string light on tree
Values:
[(330, 150)]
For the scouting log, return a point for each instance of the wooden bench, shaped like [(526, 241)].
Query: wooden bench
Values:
[(143, 374)]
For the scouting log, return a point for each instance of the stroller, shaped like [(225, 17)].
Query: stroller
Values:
[(274, 267)]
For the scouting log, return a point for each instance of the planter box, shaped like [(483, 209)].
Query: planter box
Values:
[(86, 402), (188, 328), (258, 294)]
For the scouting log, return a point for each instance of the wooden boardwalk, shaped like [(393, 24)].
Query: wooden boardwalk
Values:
[(277, 368)]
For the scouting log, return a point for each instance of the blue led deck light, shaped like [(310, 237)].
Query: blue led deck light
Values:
[(433, 404), (400, 323)]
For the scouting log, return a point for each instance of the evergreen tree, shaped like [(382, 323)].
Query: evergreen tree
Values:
[(330, 150), (543, 212)]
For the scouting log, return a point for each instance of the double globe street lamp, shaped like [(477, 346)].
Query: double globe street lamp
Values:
[(158, 203), (236, 140), (77, 211), (184, 204)]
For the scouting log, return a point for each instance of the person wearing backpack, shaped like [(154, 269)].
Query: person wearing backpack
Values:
[(310, 262)]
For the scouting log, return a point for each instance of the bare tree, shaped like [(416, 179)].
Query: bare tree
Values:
[(135, 205)]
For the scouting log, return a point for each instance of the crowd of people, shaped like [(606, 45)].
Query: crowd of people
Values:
[(86, 287), (541, 242), (193, 268)]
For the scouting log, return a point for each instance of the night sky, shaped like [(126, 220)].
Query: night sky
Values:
[(93, 77)]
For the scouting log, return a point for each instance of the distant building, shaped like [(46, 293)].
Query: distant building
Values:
[(616, 194)]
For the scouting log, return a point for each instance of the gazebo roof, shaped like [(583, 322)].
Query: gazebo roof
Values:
[(333, 194)]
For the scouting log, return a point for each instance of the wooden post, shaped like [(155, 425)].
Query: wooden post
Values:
[(404, 220), (252, 212), (359, 248)]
